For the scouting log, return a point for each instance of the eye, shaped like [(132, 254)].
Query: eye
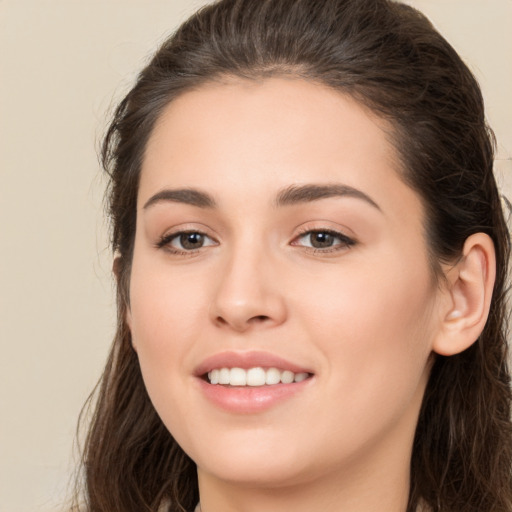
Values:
[(185, 241), (324, 240)]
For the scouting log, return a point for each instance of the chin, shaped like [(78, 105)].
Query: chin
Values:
[(257, 473), (257, 462)]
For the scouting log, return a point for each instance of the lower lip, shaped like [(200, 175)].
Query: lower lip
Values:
[(250, 400)]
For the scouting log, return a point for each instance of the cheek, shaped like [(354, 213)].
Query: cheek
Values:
[(162, 303), (365, 306), (164, 323), (375, 330)]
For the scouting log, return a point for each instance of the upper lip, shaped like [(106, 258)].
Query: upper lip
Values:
[(247, 360)]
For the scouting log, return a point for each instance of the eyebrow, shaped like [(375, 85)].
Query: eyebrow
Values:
[(294, 194), (183, 195)]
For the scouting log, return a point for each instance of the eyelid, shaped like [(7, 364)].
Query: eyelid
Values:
[(173, 236), (345, 240), (186, 227), (165, 240)]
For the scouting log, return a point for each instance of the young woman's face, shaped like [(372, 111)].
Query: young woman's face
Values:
[(275, 243)]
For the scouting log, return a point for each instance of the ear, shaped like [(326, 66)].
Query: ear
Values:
[(128, 320), (469, 291), (116, 269)]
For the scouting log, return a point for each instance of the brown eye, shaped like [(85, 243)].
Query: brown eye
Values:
[(190, 241), (185, 241), (324, 240), (321, 239)]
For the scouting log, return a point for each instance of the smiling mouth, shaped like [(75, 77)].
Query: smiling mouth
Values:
[(254, 377)]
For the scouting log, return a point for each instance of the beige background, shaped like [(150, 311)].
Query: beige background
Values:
[(62, 65)]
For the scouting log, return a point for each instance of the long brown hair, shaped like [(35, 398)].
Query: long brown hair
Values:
[(388, 57)]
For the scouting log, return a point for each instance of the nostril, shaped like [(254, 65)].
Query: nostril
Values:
[(259, 318), (243, 324)]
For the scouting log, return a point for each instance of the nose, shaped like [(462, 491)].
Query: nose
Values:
[(249, 294)]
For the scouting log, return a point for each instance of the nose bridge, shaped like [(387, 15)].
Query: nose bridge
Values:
[(247, 292)]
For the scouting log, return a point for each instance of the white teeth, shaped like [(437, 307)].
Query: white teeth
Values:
[(273, 376), (254, 376), (237, 377), (224, 376), (287, 377), (299, 377), (214, 376)]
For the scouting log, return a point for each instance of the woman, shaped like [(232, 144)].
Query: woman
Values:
[(311, 260)]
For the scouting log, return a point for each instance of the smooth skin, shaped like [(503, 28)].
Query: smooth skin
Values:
[(341, 285)]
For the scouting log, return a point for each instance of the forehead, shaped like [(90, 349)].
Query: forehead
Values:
[(246, 137), (276, 115)]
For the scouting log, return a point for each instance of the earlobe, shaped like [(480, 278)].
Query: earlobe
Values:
[(116, 269), (469, 293), (128, 320)]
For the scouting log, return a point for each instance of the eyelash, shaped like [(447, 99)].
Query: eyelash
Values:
[(166, 240), (345, 241)]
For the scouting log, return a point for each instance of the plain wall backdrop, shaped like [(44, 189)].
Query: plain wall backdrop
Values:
[(63, 64)]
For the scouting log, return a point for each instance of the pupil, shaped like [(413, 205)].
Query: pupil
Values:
[(191, 240), (320, 240)]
